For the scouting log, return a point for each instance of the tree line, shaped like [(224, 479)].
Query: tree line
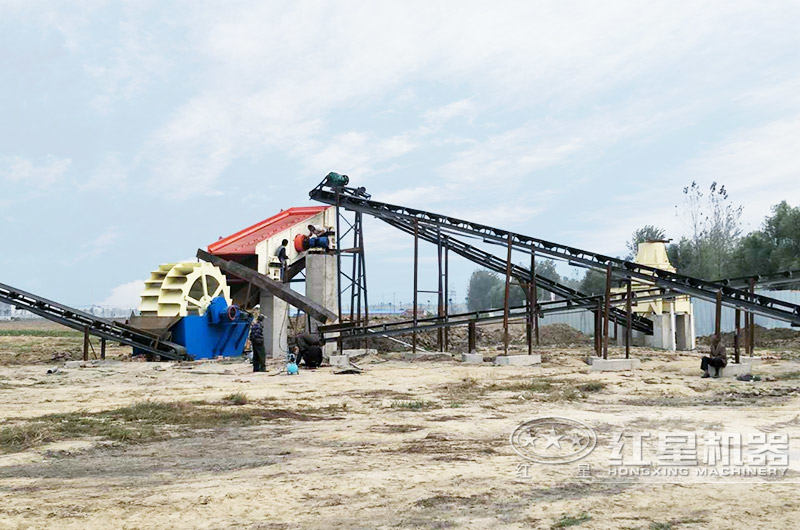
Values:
[(715, 247)]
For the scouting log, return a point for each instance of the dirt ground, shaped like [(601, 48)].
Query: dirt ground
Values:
[(421, 443)]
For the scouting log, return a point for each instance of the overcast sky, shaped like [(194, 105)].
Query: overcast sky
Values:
[(133, 133)]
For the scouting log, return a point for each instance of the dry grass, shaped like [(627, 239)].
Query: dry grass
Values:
[(416, 405), (237, 398), (567, 521), (142, 422)]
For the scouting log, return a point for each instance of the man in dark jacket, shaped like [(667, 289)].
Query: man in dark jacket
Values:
[(257, 341), (283, 258), (309, 350), (717, 359)]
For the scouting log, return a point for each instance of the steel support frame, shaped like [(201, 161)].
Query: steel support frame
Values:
[(354, 284)]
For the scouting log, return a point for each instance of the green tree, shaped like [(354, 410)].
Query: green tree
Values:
[(715, 225), (782, 229), (775, 247), (479, 291), (593, 282), (642, 235), (546, 269), (487, 289)]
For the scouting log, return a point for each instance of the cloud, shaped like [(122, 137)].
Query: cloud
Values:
[(40, 173), (110, 173), (99, 245), (439, 116), (125, 296)]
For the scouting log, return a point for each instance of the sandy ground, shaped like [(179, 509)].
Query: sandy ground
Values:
[(422, 443)]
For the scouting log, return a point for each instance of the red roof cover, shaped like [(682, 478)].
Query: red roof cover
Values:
[(245, 241)]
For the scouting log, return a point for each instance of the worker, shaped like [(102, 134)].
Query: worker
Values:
[(283, 258), (308, 350), (257, 341), (717, 358), (318, 231)]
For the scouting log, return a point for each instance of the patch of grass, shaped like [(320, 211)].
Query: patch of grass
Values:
[(540, 389), (788, 375), (571, 520), (39, 333), (439, 500), (237, 398), (669, 525), (413, 405), (333, 408), (536, 386), (467, 389), (591, 386), (142, 422)]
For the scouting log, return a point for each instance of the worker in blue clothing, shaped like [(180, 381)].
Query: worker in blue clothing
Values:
[(257, 341)]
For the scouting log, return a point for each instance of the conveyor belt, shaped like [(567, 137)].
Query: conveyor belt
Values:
[(573, 298), (82, 321), (357, 200)]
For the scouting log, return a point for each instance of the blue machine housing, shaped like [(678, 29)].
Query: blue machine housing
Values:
[(221, 331)]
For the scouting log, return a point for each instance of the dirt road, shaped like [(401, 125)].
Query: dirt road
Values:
[(404, 444)]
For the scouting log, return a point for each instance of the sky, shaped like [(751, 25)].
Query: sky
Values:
[(132, 133)]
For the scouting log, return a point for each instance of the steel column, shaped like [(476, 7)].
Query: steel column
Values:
[(606, 308), (629, 314), (471, 346), (535, 297), (736, 343), (752, 335), (505, 297), (416, 263), (440, 305), (446, 298), (86, 344)]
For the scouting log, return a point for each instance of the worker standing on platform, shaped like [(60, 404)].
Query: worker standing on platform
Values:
[(257, 341), (283, 258)]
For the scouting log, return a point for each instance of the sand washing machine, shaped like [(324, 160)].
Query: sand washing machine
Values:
[(189, 303)]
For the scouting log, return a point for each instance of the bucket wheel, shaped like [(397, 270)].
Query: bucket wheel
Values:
[(182, 289)]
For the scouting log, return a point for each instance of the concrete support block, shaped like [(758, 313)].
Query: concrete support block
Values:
[(322, 285), (358, 352), (733, 370), (340, 361), (276, 325), (613, 365), (518, 360), (472, 358)]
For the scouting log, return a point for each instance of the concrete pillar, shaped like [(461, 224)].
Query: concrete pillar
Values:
[(684, 331), (276, 325), (690, 316), (661, 328), (672, 329), (322, 286)]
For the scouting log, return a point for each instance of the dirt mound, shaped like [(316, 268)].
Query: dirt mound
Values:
[(562, 334), (487, 336), (765, 337)]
